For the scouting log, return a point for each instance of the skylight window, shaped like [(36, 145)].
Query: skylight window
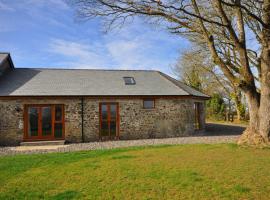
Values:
[(129, 80)]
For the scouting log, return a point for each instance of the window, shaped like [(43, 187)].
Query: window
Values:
[(148, 103), (129, 80)]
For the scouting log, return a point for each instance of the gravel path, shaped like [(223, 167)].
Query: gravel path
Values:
[(117, 144), (224, 129)]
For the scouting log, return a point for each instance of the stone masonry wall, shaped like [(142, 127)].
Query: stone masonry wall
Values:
[(169, 118), (12, 124)]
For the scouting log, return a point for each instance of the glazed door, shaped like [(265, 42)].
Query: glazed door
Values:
[(109, 121), (44, 122), (197, 115)]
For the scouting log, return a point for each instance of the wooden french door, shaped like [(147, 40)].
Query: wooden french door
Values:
[(109, 121), (43, 122), (197, 115)]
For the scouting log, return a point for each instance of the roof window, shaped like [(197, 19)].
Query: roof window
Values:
[(129, 80)]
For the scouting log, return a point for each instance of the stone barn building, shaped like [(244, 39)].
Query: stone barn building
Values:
[(83, 105)]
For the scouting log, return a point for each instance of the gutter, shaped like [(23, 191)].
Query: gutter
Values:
[(82, 117)]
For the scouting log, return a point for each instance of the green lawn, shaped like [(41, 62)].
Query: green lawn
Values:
[(222, 171)]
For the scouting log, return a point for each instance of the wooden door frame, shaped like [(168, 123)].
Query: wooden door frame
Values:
[(117, 118), (197, 114), (40, 137)]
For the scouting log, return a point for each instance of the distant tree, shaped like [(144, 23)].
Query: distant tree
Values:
[(189, 70), (216, 107), (223, 28), (196, 69)]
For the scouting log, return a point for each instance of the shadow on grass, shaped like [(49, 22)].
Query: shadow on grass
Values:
[(123, 157), (69, 194), (14, 165), (242, 189)]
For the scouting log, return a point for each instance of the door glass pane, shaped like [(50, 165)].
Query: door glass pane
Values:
[(113, 111), (104, 111), (32, 122), (58, 130), (113, 128), (46, 121), (58, 113), (104, 128), (196, 114)]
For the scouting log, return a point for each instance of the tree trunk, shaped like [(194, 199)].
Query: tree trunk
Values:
[(252, 135), (238, 113), (264, 111), (259, 129), (238, 104)]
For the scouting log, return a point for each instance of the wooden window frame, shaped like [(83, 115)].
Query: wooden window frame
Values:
[(40, 137), (154, 106), (109, 119)]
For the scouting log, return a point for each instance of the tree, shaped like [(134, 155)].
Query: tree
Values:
[(196, 70), (221, 26), (216, 107), (189, 69)]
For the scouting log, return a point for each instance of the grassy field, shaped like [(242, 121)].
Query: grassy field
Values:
[(222, 171)]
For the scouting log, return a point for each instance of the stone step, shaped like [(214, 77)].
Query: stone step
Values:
[(43, 143)]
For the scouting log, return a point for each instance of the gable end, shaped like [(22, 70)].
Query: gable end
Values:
[(6, 63)]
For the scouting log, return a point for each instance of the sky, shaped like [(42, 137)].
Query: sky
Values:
[(46, 33)]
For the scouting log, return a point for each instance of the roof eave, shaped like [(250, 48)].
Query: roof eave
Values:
[(105, 96)]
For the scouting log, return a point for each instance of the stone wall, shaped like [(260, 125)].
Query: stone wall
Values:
[(12, 125), (169, 118)]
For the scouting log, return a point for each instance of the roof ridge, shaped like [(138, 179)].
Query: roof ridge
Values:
[(177, 82), (47, 68), (171, 79), (168, 78)]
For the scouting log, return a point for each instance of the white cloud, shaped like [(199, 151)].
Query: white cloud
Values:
[(33, 4), (126, 53), (77, 55), (119, 54), (5, 7), (138, 47), (59, 4)]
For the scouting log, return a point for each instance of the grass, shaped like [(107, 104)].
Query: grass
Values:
[(220, 171)]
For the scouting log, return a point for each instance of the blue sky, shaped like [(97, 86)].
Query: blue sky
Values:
[(46, 33)]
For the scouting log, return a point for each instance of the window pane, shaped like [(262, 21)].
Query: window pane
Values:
[(104, 128), (129, 80), (32, 122), (113, 111), (104, 111), (46, 121), (148, 103), (58, 113), (113, 128), (58, 130)]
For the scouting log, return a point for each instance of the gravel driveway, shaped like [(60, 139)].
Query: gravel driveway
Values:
[(223, 129), (215, 133)]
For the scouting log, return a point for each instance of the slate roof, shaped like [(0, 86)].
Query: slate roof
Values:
[(3, 56), (88, 82)]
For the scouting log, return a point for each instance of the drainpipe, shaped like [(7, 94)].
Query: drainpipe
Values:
[(82, 109)]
